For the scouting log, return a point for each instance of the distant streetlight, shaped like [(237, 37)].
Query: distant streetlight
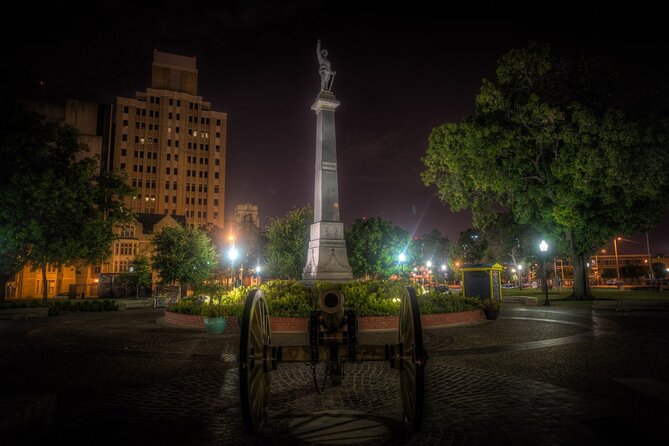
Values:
[(428, 264), (132, 270), (543, 246), (232, 255), (401, 258), (258, 270)]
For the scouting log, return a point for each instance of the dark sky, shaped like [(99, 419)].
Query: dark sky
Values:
[(401, 71)]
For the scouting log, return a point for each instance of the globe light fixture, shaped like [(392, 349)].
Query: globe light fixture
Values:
[(543, 247)]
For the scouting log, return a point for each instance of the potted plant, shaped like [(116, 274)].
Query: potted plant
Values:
[(491, 307), (215, 318)]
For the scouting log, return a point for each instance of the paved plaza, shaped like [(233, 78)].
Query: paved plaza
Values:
[(536, 375)]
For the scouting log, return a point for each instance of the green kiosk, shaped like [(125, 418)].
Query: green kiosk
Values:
[(482, 279)]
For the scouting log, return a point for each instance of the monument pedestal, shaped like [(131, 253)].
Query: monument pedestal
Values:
[(326, 258)]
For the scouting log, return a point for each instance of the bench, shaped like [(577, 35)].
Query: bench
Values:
[(644, 404)]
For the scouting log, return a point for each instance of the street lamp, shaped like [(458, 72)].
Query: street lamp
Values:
[(401, 258), (258, 269), (615, 248), (543, 246), (132, 270), (520, 277), (232, 255)]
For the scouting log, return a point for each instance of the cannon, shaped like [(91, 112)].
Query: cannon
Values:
[(333, 338)]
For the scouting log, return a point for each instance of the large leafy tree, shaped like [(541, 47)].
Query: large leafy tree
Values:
[(184, 255), (288, 242), (55, 207), (508, 241), (470, 247), (139, 273), (434, 247), (373, 246), (548, 142)]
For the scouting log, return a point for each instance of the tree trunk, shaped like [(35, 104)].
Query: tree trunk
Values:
[(581, 290), (4, 278), (45, 287)]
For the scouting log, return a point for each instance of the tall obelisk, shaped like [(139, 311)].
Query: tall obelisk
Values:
[(326, 259)]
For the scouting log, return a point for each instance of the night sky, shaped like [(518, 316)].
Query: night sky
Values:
[(401, 71)]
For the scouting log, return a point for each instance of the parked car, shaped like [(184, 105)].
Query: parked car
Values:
[(62, 296), (508, 285)]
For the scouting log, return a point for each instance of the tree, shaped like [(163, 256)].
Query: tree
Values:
[(288, 242), (434, 247), (633, 272), (373, 246), (659, 270), (184, 255), (55, 208), (470, 247), (548, 142), (508, 241), (139, 274)]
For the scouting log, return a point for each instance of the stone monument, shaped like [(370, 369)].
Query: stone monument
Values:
[(326, 259)]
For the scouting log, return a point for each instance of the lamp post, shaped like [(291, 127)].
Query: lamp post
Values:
[(401, 259), (429, 271), (232, 255), (132, 270), (543, 246), (520, 277), (615, 248), (258, 269)]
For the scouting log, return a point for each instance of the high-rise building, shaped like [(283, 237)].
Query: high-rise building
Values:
[(172, 145), (93, 120)]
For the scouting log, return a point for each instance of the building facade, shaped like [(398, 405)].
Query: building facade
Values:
[(172, 145)]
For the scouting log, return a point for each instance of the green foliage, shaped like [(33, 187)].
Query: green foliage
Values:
[(287, 243), (184, 255), (288, 298), (434, 303), (51, 210), (186, 306), (549, 143), (489, 303), (141, 272), (372, 297), (470, 247), (659, 270), (373, 246), (633, 271)]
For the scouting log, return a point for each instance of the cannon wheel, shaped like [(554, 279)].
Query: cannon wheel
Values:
[(412, 367), (254, 361)]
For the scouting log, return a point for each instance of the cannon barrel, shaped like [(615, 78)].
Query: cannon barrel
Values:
[(331, 303)]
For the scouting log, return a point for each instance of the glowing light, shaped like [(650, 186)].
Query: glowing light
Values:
[(402, 257), (232, 254), (543, 246)]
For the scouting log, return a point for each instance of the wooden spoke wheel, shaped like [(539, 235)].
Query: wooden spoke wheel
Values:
[(412, 365), (254, 362)]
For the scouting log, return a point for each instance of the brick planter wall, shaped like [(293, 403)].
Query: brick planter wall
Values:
[(364, 322), (192, 320)]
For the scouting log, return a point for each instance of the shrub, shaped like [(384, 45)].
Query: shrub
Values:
[(434, 302), (288, 298), (185, 306)]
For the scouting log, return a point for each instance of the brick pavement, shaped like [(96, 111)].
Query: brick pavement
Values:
[(126, 379)]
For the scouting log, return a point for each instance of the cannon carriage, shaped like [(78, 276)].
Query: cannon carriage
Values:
[(333, 339)]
